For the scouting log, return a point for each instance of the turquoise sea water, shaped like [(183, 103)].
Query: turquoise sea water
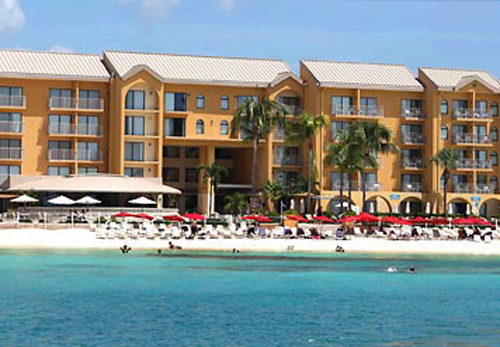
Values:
[(103, 298)]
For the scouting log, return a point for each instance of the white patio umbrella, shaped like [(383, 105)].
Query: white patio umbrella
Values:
[(372, 207), (61, 200), (428, 208), (408, 208), (450, 208), (142, 201), (292, 204), (23, 199), (395, 208), (87, 200), (467, 212)]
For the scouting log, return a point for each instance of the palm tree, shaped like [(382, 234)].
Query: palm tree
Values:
[(447, 159), (370, 139), (213, 175), (275, 192), (256, 119), (236, 203), (303, 130)]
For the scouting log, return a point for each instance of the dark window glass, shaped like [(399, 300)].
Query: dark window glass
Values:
[(135, 100)]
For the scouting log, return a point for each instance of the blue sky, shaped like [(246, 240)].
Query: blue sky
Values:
[(416, 33)]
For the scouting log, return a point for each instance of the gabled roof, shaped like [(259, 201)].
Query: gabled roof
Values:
[(362, 75), (173, 68), (453, 79), (52, 65)]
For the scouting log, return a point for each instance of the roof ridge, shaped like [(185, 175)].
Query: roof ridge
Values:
[(196, 55), (351, 62), (454, 69), (20, 50)]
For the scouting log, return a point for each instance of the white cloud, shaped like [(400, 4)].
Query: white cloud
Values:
[(226, 5), (12, 16), (155, 9), (61, 49)]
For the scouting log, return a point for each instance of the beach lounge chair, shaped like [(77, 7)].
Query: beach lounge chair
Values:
[(227, 233), (477, 238), (239, 233), (214, 233), (487, 238)]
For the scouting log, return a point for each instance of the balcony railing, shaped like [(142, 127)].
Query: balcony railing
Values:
[(70, 103), (287, 160), (11, 127), (11, 153), (13, 101), (471, 139), (373, 186), (471, 188), (412, 187), (363, 111), (90, 104), (412, 138), (335, 186), (74, 129), (471, 114), (413, 113), (62, 154), (88, 155), (465, 163), (412, 163)]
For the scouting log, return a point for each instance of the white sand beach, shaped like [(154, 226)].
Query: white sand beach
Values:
[(84, 239)]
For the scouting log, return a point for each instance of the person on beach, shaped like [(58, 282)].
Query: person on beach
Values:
[(172, 246)]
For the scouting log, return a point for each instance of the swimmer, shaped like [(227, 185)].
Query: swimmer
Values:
[(158, 251), (392, 269), (125, 249), (412, 270)]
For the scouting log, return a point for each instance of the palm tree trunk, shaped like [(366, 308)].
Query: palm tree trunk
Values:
[(255, 143), (445, 198), (341, 191), (349, 194), (363, 184), (309, 174)]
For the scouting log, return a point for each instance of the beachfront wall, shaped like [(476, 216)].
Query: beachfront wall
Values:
[(137, 121)]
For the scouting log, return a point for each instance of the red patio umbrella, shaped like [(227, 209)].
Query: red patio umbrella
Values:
[(174, 218), (324, 219), (470, 221), (419, 220), (395, 220), (439, 221), (367, 218), (194, 216), (260, 219), (144, 216), (299, 219), (347, 219), (123, 214)]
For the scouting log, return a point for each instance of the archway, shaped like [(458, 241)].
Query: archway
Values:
[(490, 208), (459, 206), (334, 205), (378, 204), (411, 205)]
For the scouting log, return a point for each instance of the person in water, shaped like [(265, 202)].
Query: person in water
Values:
[(412, 270), (125, 249)]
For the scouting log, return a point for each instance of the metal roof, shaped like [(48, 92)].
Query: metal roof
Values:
[(362, 75), (52, 65), (175, 68), (449, 79)]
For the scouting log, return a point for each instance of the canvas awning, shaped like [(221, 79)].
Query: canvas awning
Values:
[(90, 184)]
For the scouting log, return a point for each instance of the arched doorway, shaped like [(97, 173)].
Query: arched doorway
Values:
[(490, 208), (334, 205), (378, 204), (411, 205), (459, 206)]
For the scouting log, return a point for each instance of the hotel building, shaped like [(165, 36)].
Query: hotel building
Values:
[(163, 115)]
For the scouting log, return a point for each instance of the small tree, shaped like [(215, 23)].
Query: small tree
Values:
[(213, 175), (275, 192), (236, 203), (447, 159)]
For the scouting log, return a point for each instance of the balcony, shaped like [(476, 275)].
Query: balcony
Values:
[(465, 163), (279, 135), (70, 103), (11, 153), (471, 114), (287, 161), (460, 139), (413, 113), (13, 101), (292, 110), (373, 186), (363, 111), (412, 163), (75, 129), (72, 155), (335, 186), (470, 188), (412, 138), (414, 187), (11, 127)]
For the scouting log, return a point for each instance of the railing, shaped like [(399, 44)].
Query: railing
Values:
[(412, 163), (11, 127), (12, 101), (62, 154), (465, 163), (412, 138), (471, 114), (484, 189), (335, 186), (56, 102), (412, 188), (90, 104), (74, 129), (413, 113), (363, 111), (478, 188), (373, 186), (286, 160), (11, 153), (463, 188), (292, 110), (89, 155), (471, 138)]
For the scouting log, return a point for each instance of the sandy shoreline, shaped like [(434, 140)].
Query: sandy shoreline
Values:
[(83, 239)]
